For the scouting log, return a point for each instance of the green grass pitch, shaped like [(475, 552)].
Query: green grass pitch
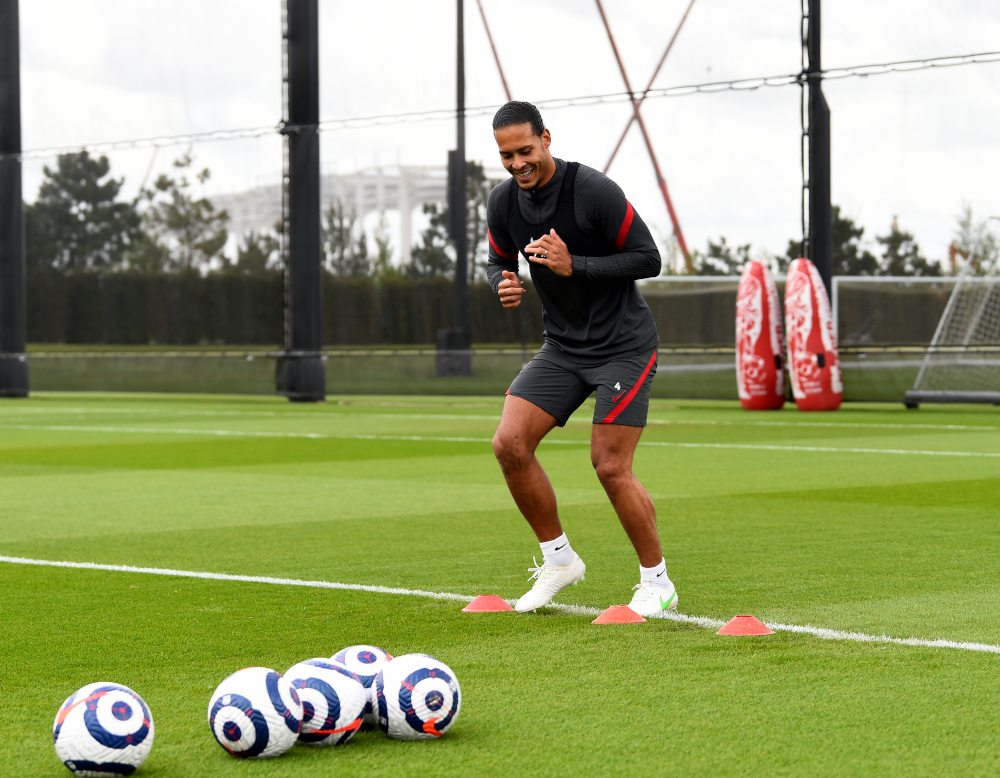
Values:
[(903, 544)]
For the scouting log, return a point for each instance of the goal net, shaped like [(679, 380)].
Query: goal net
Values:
[(962, 363)]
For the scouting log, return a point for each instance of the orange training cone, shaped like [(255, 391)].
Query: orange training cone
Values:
[(487, 603), (619, 614), (745, 625)]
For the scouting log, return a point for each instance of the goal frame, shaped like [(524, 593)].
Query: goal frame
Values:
[(915, 396)]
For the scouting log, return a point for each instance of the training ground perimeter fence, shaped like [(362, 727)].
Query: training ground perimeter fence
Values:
[(884, 327)]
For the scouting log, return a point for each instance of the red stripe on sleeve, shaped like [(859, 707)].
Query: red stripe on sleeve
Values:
[(632, 393), (626, 224), (507, 255)]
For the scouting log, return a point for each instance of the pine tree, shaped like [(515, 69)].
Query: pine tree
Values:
[(721, 259), (901, 255), (432, 255), (78, 222), (257, 252), (849, 258)]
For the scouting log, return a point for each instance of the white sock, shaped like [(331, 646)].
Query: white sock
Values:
[(657, 575), (558, 551)]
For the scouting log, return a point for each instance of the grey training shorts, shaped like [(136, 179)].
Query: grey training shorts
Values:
[(559, 386)]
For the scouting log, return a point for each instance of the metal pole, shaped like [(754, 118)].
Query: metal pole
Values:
[(496, 56), (460, 218), (301, 373), (649, 146), (820, 209), (454, 355), (649, 86), (13, 318)]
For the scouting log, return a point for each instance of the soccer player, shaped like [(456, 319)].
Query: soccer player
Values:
[(586, 247)]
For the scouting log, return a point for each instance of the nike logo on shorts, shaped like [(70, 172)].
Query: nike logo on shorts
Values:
[(616, 399)]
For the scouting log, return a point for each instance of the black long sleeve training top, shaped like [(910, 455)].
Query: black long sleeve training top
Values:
[(600, 210)]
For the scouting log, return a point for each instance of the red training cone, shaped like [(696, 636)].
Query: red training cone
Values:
[(487, 603), (619, 614), (745, 625)]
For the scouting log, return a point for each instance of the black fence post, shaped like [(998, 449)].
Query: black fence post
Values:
[(820, 211), (13, 319), (454, 346), (301, 372)]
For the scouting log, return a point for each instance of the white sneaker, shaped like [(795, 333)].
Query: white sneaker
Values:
[(651, 599), (551, 579)]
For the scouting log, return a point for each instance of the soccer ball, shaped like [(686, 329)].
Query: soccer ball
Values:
[(333, 701), (418, 698), (255, 714), (102, 729), (365, 662)]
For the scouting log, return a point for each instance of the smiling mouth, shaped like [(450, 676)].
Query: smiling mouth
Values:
[(525, 175)]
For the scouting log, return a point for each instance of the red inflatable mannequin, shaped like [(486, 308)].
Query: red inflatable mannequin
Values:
[(760, 373), (812, 347)]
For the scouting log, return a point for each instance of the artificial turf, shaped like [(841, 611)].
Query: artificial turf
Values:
[(895, 543)]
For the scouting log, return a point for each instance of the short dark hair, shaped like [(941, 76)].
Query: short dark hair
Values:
[(516, 112)]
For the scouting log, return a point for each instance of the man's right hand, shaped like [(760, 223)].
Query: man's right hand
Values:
[(510, 290)]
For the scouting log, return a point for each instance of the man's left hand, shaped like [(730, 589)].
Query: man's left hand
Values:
[(551, 251)]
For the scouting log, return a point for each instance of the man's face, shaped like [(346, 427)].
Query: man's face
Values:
[(525, 155)]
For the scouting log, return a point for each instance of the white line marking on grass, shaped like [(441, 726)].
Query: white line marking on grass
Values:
[(579, 419), (833, 424), (19, 414), (239, 433), (824, 449), (242, 578), (574, 610), (457, 439)]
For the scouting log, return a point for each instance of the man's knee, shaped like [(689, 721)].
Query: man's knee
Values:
[(509, 450), (610, 467)]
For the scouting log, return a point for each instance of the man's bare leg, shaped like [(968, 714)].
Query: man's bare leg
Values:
[(612, 447), (522, 427)]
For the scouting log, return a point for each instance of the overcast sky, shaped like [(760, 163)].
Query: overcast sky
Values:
[(915, 145)]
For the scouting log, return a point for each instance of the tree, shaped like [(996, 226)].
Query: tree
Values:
[(381, 264), (721, 259), (901, 255), (434, 255), (193, 232), (257, 252), (346, 253), (975, 241), (148, 254), (477, 188), (849, 258), (77, 222)]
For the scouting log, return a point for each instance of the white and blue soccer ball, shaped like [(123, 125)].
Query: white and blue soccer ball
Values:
[(333, 701), (365, 662), (418, 698), (255, 714), (103, 729)]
